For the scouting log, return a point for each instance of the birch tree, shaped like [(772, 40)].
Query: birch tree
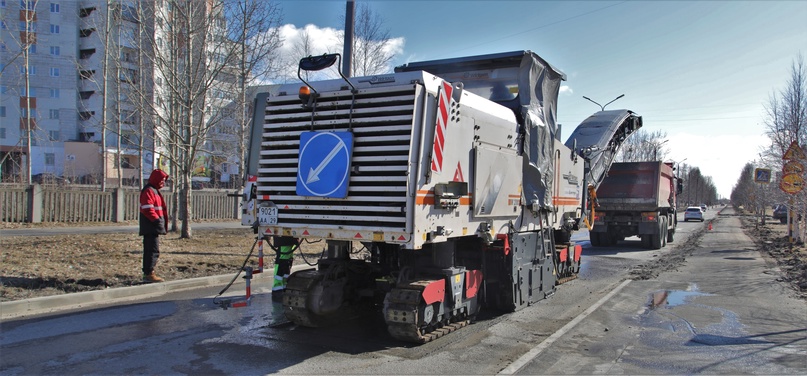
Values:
[(643, 146), (253, 26)]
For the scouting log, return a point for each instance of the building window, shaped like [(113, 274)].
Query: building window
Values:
[(26, 94), (127, 75), (2, 133), (24, 112), (54, 72), (50, 159), (55, 50), (31, 48), (54, 29), (2, 111), (53, 114), (54, 93), (28, 26), (31, 69), (2, 3), (27, 5), (54, 7), (53, 135)]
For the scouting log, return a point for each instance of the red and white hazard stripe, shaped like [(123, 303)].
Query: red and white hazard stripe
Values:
[(443, 105)]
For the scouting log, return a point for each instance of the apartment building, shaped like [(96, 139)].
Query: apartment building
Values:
[(45, 102), (76, 86)]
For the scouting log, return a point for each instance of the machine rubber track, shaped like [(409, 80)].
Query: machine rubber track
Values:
[(566, 279), (403, 310), (295, 299)]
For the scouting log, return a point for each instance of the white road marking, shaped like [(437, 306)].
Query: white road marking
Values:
[(532, 354)]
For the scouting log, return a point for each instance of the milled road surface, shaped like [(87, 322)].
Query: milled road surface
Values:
[(718, 311)]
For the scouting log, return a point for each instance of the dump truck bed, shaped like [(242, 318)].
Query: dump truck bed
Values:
[(636, 186)]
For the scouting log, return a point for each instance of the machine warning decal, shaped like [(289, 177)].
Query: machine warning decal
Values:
[(444, 102), (458, 173), (324, 164)]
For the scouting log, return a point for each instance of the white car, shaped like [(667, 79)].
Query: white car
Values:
[(694, 213)]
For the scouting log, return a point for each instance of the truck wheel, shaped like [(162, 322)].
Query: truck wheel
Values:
[(670, 236), (655, 239)]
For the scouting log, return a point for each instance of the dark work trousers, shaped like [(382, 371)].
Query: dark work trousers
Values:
[(151, 252)]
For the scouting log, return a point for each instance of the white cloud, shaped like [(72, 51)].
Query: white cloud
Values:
[(323, 41), (566, 90)]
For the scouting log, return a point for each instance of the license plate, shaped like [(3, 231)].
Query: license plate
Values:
[(267, 215)]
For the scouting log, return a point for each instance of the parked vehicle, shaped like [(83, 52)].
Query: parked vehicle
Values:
[(694, 213), (780, 213), (462, 202), (47, 178), (704, 207), (636, 199)]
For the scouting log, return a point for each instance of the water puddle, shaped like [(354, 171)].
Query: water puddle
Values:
[(672, 298)]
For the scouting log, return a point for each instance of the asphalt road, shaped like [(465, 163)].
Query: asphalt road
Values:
[(719, 311)]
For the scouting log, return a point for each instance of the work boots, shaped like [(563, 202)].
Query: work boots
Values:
[(150, 278)]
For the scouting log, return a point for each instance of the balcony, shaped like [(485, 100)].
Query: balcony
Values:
[(85, 12), (25, 121), (86, 53), (83, 33)]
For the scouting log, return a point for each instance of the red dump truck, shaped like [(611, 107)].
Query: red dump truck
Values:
[(636, 199)]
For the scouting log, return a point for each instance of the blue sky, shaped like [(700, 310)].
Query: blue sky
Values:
[(701, 71)]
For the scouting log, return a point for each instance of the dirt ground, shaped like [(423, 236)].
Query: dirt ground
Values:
[(34, 266), (772, 239)]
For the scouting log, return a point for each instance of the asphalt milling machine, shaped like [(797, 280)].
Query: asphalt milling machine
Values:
[(449, 175)]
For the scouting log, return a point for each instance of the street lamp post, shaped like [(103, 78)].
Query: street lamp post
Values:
[(656, 146), (602, 107), (678, 172)]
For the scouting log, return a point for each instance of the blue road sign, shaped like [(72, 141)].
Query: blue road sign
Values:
[(762, 175), (324, 164)]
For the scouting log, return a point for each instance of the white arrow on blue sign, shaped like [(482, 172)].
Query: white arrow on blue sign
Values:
[(324, 164)]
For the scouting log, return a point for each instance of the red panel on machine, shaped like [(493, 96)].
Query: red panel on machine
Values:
[(578, 250), (435, 291), (563, 253), (473, 279)]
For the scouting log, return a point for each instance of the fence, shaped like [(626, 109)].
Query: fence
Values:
[(49, 203)]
